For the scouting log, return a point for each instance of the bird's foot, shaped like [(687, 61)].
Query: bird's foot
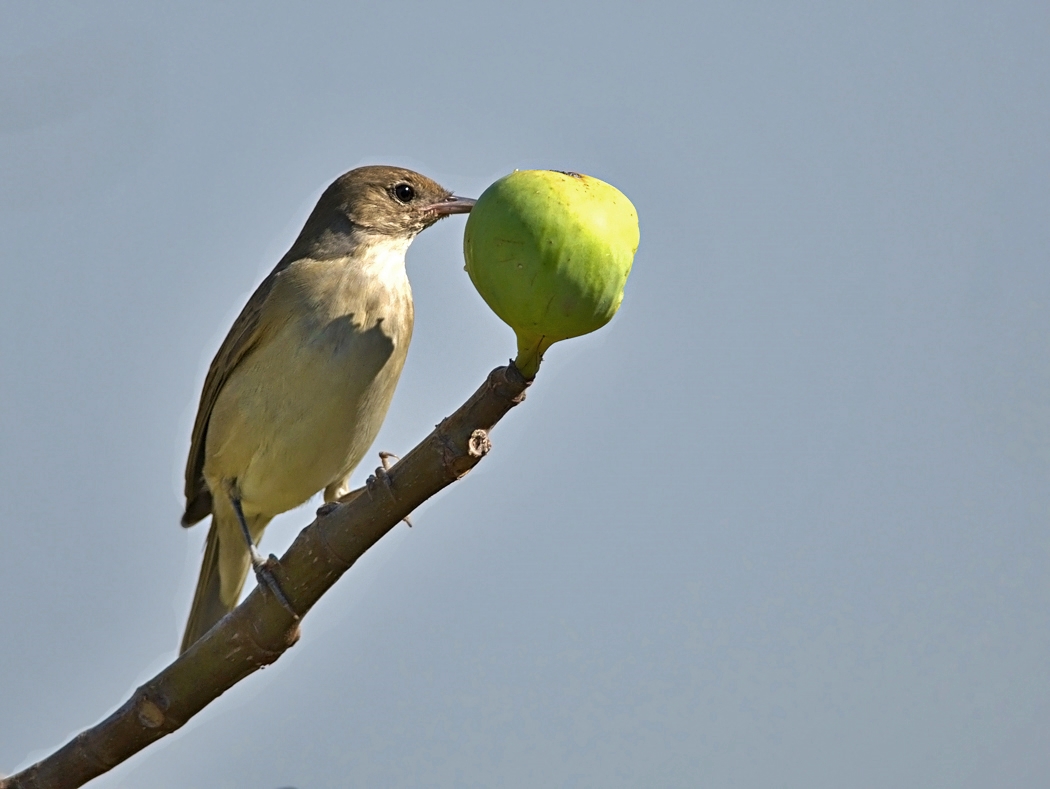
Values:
[(264, 568), (382, 479)]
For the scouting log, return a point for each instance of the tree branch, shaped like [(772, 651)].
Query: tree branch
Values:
[(258, 632)]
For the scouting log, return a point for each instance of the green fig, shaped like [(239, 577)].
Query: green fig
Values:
[(550, 253)]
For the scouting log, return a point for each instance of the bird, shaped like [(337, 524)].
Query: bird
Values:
[(302, 382)]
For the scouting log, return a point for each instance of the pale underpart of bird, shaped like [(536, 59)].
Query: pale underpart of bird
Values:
[(300, 386)]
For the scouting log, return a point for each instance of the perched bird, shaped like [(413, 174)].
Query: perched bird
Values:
[(301, 384)]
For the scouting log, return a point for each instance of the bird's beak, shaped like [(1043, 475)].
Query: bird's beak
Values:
[(452, 205)]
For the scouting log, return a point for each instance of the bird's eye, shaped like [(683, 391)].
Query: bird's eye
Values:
[(404, 193)]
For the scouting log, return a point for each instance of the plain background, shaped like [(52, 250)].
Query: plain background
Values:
[(782, 523)]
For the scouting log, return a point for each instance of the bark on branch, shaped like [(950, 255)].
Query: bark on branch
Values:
[(259, 631)]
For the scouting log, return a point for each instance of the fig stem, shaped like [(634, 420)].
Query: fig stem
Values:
[(530, 354)]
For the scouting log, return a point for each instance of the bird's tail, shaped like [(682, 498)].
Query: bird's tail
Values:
[(208, 607)]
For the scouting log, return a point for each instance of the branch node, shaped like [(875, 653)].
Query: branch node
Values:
[(479, 445), (150, 715)]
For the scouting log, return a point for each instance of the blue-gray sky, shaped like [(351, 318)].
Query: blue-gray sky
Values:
[(782, 523)]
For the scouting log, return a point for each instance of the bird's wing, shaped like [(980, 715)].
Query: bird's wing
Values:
[(246, 333)]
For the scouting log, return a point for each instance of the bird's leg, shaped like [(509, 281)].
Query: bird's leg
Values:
[(382, 477), (263, 566)]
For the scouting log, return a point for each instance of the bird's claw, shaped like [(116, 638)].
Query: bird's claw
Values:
[(382, 475), (264, 575), (382, 478)]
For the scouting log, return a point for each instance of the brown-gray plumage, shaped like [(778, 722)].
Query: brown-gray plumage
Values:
[(300, 386)]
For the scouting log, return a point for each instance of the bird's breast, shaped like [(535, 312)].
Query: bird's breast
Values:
[(302, 409)]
